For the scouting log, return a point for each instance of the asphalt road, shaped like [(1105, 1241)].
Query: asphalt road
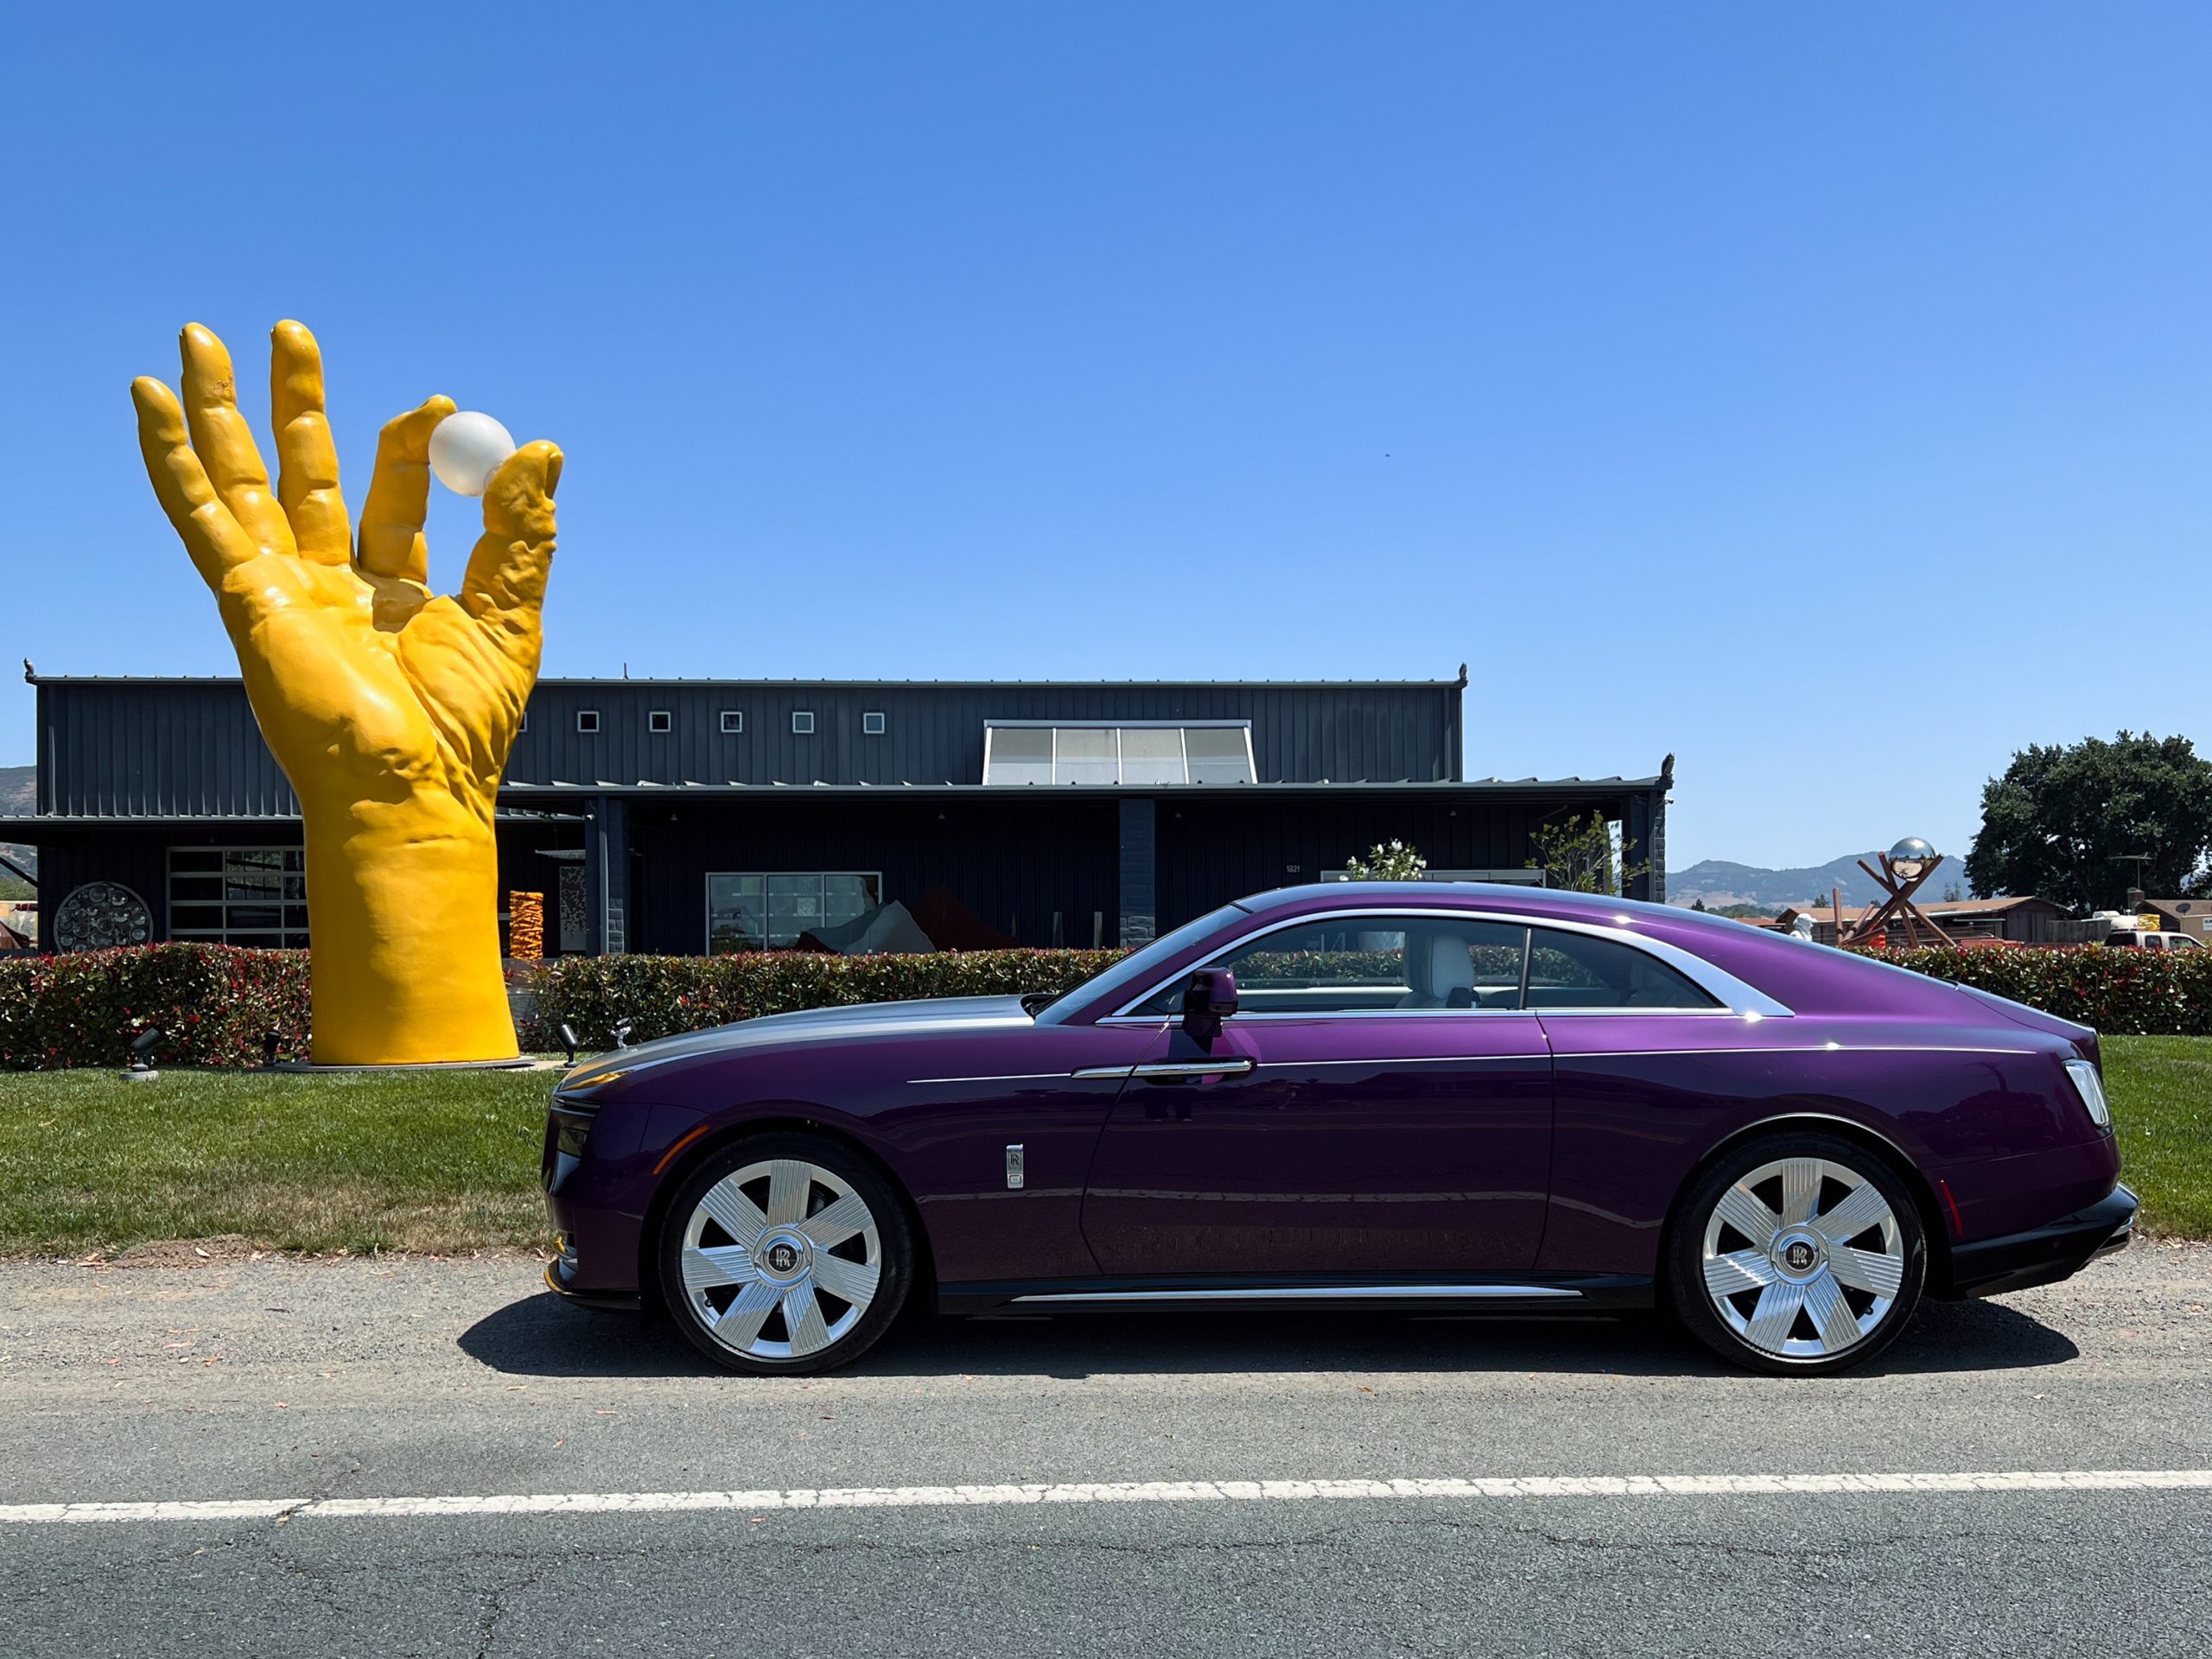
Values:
[(405, 1380)]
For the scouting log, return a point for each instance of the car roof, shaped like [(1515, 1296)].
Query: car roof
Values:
[(1471, 894)]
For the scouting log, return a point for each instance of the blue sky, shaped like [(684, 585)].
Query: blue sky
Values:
[(1818, 393)]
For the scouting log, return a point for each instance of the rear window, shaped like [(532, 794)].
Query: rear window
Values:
[(1576, 970)]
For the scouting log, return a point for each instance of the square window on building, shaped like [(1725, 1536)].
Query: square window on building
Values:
[(872, 725), (659, 720), (523, 724), (802, 722), (733, 720), (587, 720)]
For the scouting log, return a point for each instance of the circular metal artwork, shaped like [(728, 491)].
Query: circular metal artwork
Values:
[(101, 915)]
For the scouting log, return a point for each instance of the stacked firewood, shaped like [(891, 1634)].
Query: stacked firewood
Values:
[(527, 926)]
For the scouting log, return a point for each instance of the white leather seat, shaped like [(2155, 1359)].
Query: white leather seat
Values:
[(1438, 966)]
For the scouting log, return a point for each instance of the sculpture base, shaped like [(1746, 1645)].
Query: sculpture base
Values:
[(520, 1063)]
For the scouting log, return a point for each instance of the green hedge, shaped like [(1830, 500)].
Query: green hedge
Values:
[(212, 1002), (662, 994), (2141, 993)]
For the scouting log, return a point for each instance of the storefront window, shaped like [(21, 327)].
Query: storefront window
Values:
[(771, 910)]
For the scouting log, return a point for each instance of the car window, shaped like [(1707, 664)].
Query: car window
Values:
[(1578, 971), (1368, 965), (1133, 971)]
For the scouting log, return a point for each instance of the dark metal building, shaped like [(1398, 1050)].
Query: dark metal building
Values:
[(689, 816)]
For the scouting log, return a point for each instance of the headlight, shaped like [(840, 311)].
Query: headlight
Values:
[(571, 1088), (2091, 1088)]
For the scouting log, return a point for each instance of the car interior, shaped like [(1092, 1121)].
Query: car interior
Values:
[(1366, 965)]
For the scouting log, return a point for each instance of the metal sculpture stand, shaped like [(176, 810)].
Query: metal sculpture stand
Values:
[(1899, 909)]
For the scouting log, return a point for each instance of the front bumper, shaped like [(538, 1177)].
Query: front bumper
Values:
[(560, 1278), (2045, 1254)]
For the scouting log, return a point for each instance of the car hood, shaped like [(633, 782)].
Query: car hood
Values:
[(923, 1017)]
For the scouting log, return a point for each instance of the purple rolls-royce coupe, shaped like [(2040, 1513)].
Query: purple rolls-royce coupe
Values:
[(1418, 1095)]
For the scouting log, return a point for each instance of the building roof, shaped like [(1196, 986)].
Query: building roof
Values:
[(32, 676), (1935, 907)]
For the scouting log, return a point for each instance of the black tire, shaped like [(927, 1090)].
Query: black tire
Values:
[(1796, 1287), (784, 1340)]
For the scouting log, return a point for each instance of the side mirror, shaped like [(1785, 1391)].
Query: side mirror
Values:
[(1211, 998)]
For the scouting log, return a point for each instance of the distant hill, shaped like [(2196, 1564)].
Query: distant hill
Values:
[(19, 794), (1719, 882)]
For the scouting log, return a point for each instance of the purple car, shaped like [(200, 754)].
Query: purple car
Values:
[(1419, 1096)]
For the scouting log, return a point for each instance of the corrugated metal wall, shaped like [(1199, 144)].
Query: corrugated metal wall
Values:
[(125, 748), (116, 748), (1215, 849), (1014, 867)]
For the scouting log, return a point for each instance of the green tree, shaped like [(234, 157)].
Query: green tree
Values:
[(2060, 819), (1387, 861), (1579, 855)]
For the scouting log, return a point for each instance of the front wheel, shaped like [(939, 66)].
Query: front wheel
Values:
[(784, 1253), (1797, 1253)]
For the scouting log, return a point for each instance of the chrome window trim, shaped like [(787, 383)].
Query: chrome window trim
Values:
[(1735, 996)]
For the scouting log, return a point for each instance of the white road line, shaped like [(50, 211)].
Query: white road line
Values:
[(1137, 1491)]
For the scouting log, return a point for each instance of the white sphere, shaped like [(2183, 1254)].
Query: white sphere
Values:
[(466, 448)]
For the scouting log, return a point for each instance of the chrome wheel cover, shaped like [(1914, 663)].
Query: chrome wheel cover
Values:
[(1802, 1258), (780, 1259)]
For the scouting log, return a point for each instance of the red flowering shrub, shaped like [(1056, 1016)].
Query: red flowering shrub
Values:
[(660, 996), (211, 1002), (2138, 992)]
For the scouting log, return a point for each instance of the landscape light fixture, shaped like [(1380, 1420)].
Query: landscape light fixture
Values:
[(622, 1034), (142, 1048), (568, 1040), (269, 1040)]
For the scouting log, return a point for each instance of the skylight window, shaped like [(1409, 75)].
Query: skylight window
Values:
[(1142, 755)]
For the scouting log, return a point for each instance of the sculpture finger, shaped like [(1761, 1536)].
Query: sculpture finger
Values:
[(392, 544), (306, 461), (504, 588), (224, 443), (211, 535)]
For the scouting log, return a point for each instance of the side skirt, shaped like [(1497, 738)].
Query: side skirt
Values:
[(1512, 1294)]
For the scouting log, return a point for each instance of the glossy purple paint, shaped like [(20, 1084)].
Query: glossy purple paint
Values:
[(1431, 1143)]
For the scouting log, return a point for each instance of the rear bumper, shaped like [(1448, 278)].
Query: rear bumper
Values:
[(2045, 1254)]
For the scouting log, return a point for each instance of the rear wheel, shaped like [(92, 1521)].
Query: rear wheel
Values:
[(1799, 1252), (784, 1253)]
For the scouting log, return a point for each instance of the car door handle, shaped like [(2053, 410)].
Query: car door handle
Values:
[(1233, 1065)]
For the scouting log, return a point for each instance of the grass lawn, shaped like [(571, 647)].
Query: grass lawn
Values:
[(2161, 1090), (429, 1161), (440, 1161)]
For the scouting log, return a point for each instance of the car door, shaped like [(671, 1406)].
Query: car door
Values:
[(1379, 1105), (1648, 1064)]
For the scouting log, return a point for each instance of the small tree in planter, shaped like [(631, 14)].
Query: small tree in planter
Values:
[(1579, 855), (1391, 860)]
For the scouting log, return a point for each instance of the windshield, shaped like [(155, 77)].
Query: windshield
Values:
[(1134, 971)]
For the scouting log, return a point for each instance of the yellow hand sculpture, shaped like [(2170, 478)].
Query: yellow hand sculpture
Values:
[(390, 709)]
